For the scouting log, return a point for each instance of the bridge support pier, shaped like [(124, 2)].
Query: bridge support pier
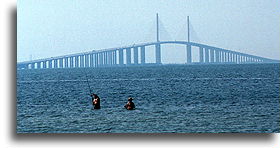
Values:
[(101, 59), (223, 57), (228, 56), (211, 55), (82, 61), (135, 55), (142, 48), (114, 57), (231, 57), (128, 56), (55, 63), (106, 62), (44, 64), (76, 61), (91, 58), (60, 61), (109, 58), (96, 60), (104, 58), (66, 63), (237, 59), (86, 60), (189, 54), (201, 55), (120, 56), (217, 56), (158, 54), (71, 62), (206, 55), (38, 65), (50, 64)]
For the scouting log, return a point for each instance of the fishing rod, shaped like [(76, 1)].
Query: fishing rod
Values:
[(87, 81), (88, 85)]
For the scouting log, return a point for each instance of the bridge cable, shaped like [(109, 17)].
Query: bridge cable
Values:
[(182, 33), (194, 33), (163, 32), (149, 33)]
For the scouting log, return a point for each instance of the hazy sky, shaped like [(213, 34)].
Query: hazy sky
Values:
[(48, 28)]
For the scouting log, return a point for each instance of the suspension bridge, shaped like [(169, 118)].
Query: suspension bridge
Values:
[(136, 55)]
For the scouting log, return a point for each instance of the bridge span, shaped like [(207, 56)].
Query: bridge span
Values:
[(115, 57)]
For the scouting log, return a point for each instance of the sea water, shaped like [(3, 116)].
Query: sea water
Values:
[(168, 98)]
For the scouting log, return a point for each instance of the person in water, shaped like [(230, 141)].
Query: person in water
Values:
[(95, 101), (129, 105)]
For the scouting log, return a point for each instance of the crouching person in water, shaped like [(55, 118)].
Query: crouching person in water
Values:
[(95, 101), (130, 105)]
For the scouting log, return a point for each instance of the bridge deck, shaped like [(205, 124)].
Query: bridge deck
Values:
[(108, 57)]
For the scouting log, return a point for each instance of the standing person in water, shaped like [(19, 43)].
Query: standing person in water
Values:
[(95, 101), (129, 105)]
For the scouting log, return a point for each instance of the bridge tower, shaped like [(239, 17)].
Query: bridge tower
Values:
[(157, 27), (157, 46), (188, 23), (189, 48)]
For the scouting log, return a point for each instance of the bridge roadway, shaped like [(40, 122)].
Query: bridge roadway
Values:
[(115, 57)]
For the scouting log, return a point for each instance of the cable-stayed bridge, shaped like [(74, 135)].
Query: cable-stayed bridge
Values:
[(136, 55)]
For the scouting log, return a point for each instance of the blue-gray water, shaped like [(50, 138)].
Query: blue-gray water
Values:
[(171, 98)]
